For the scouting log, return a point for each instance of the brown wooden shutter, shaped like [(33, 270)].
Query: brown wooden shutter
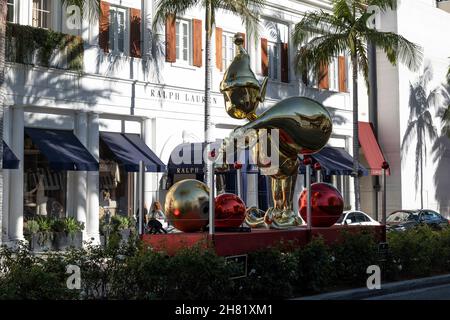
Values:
[(219, 64), (284, 63), (264, 57), (197, 37), (135, 33), (342, 74), (171, 46), (103, 36), (243, 37), (323, 77)]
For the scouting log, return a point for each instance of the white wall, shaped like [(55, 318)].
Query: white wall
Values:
[(394, 89)]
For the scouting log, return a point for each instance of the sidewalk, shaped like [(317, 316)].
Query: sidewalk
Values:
[(387, 288)]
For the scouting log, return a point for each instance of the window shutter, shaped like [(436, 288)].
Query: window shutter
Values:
[(342, 74), (284, 63), (323, 77), (197, 37), (103, 36), (135, 33), (219, 49), (264, 57), (243, 37), (171, 46)]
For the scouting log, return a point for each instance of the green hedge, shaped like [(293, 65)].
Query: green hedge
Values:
[(132, 272)]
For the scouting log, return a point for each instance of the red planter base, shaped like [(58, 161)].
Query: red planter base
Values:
[(237, 243)]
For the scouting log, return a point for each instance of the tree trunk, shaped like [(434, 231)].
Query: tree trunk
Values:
[(207, 86), (421, 177), (3, 10), (355, 132)]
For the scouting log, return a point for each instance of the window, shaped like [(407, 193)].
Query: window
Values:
[(430, 216), (228, 49), (361, 217), (274, 60), (183, 42), (41, 14), (118, 30), (334, 75), (11, 13)]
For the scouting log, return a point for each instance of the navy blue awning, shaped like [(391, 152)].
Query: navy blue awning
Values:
[(10, 160), (62, 149), (188, 158), (130, 149), (335, 161)]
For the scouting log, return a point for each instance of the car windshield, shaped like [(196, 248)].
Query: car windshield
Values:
[(402, 216), (341, 218)]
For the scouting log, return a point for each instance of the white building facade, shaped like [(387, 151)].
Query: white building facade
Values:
[(419, 159), (135, 82)]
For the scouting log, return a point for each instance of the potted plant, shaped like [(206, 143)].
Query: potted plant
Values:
[(68, 233), (39, 234)]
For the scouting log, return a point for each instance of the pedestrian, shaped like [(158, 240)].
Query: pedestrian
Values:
[(154, 225)]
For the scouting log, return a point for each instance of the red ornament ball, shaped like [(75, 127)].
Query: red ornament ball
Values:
[(229, 211), (327, 205)]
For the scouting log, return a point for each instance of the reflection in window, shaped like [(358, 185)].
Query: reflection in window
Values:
[(183, 41), (45, 190), (117, 29), (11, 13), (41, 14), (228, 49)]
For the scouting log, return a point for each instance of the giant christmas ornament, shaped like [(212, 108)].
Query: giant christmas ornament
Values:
[(187, 205), (327, 205), (229, 211)]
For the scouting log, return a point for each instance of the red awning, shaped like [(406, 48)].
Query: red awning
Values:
[(371, 148)]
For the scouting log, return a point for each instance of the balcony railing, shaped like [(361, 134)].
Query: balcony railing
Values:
[(41, 47)]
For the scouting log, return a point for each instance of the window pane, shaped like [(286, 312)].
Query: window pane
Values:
[(10, 14), (178, 40), (112, 15), (121, 31), (185, 42)]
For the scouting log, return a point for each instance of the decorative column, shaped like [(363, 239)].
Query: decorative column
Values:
[(93, 223), (79, 181), (151, 178), (16, 178), (4, 238)]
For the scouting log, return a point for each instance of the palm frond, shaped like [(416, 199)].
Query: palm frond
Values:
[(315, 24), (171, 7), (397, 48), (363, 61), (383, 4), (92, 6), (320, 51), (409, 134), (247, 10), (342, 10)]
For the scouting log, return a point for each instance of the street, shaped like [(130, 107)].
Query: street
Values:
[(441, 292)]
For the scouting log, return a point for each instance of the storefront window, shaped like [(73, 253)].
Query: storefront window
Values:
[(45, 190), (116, 186)]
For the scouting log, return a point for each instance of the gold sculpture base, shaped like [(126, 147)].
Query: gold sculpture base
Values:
[(272, 218)]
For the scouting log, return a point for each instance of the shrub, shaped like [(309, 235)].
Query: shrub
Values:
[(314, 270), (271, 275), (24, 276), (418, 251), (353, 255)]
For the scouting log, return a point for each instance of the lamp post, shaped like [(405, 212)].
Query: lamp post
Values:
[(385, 167), (307, 162), (318, 169), (238, 167), (212, 156)]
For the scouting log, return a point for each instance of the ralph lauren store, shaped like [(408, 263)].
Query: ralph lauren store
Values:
[(78, 164)]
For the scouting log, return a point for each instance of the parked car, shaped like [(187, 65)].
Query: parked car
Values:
[(402, 220), (356, 218)]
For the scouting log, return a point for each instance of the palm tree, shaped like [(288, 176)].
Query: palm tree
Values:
[(346, 30), (246, 9), (420, 123)]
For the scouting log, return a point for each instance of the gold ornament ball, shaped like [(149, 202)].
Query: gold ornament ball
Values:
[(187, 205)]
